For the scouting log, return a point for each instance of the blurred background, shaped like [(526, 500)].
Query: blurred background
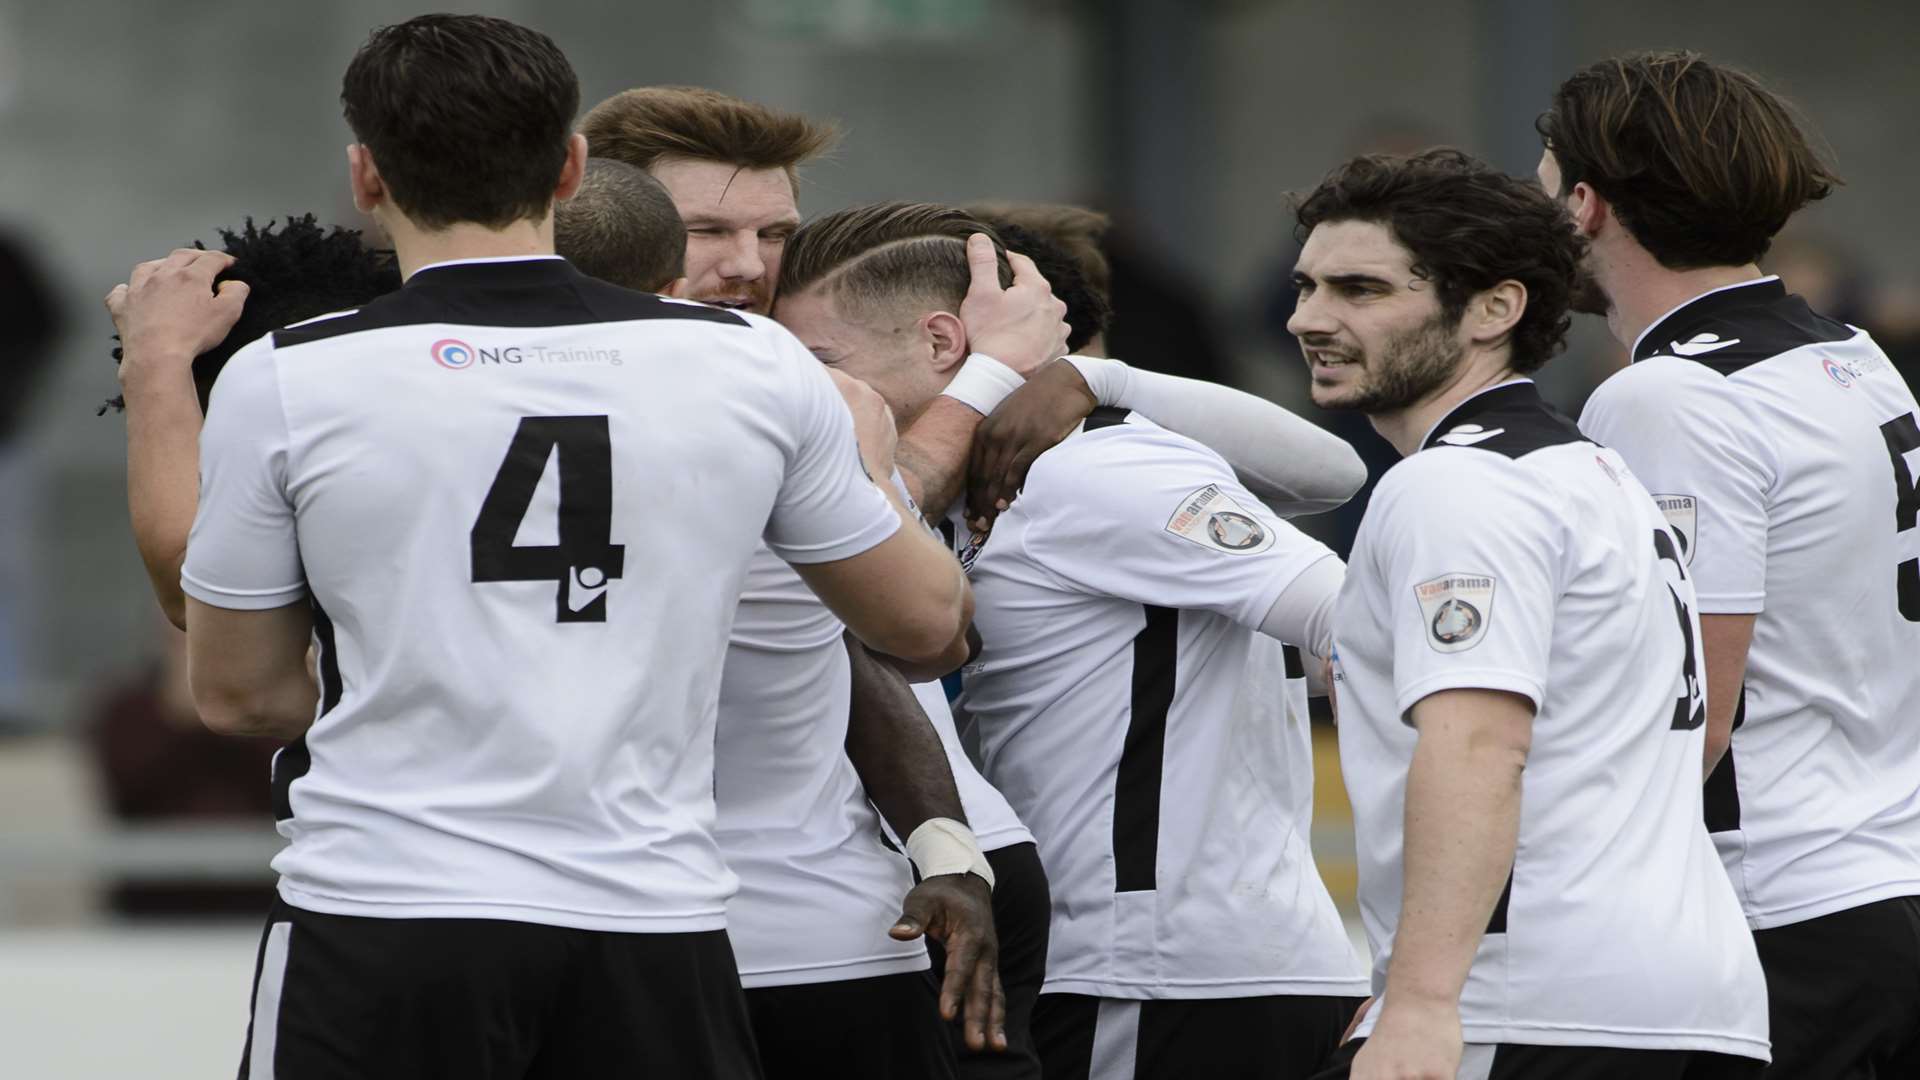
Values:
[(133, 847)]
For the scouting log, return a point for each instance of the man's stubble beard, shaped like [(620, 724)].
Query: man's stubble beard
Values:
[(1410, 368), (1588, 297)]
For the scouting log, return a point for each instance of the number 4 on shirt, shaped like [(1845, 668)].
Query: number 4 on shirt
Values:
[(585, 559)]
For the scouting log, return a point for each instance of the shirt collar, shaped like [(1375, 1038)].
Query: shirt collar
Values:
[(1521, 387), (1711, 302), (484, 260)]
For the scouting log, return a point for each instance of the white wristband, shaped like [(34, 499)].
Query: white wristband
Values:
[(945, 846), (1105, 376), (982, 383)]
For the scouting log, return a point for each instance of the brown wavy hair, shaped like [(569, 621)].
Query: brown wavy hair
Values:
[(643, 125), (1468, 227), (1701, 163)]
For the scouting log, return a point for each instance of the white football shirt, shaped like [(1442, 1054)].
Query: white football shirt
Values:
[(1785, 448), (523, 503), (818, 887), (1511, 554), (1144, 731)]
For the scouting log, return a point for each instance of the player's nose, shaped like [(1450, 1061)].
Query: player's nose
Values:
[(1310, 316), (742, 261)]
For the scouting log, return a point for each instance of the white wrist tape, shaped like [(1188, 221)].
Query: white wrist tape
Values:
[(944, 846), (982, 383), (1105, 376)]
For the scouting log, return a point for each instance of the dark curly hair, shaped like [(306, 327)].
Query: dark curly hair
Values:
[(293, 273), (1468, 227), (1088, 308), (1701, 163)]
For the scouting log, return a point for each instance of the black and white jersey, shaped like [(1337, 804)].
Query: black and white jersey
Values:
[(794, 821), (1511, 554), (1144, 731), (1785, 449), (523, 503)]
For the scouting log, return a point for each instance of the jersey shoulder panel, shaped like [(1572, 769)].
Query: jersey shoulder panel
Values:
[(1730, 331), (1507, 425), (490, 296)]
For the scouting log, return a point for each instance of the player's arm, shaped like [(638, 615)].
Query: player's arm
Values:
[(167, 314), (1464, 532), (1290, 464), (248, 669), (1462, 824), (901, 763), (1684, 439), (1011, 331), (1158, 520), (1725, 640)]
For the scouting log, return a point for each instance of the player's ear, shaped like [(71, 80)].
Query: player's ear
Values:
[(363, 179), (1589, 210), (574, 170), (949, 338), (1493, 313)]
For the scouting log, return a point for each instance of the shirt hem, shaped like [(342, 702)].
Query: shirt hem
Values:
[(995, 839), (857, 544), (836, 971), (1469, 679), (1833, 905), (1176, 989), (1731, 604), (242, 600), (686, 923), (1746, 1046)]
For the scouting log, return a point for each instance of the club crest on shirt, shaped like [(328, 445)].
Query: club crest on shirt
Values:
[(1683, 517), (971, 550), (1209, 517), (1456, 608)]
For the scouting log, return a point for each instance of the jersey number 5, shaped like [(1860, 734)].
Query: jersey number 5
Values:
[(585, 559), (1691, 710), (1903, 437)]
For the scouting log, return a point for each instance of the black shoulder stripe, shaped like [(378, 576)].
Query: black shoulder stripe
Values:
[(1513, 420), (1734, 329), (558, 297)]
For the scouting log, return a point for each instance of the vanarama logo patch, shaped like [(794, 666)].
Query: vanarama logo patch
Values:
[(1456, 608), (1209, 517), (1683, 516)]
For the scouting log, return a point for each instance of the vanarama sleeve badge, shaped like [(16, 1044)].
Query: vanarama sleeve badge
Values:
[(1683, 514), (1209, 517), (1456, 608)]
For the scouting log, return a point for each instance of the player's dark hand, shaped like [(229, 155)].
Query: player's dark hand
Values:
[(957, 911), (1031, 421), (169, 311)]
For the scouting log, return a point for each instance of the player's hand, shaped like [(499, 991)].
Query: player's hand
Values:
[(1358, 1015), (1411, 1042), (169, 312), (1031, 421), (957, 911), (1022, 326), (873, 425)]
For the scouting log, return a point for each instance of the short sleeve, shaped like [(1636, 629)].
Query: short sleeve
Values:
[(244, 552), (1143, 514), (827, 509), (1469, 552), (1685, 441)]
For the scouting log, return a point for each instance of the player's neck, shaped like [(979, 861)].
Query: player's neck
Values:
[(1407, 428), (415, 247), (1641, 292)]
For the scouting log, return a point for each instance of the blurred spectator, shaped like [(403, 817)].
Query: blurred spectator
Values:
[(31, 319), (158, 765)]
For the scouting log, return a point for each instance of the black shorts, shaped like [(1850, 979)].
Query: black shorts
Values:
[(1281, 1037), (1513, 1061), (883, 1028), (337, 997), (1843, 992), (1022, 914)]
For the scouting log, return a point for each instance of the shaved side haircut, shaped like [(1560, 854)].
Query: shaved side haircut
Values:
[(875, 258), (622, 228)]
